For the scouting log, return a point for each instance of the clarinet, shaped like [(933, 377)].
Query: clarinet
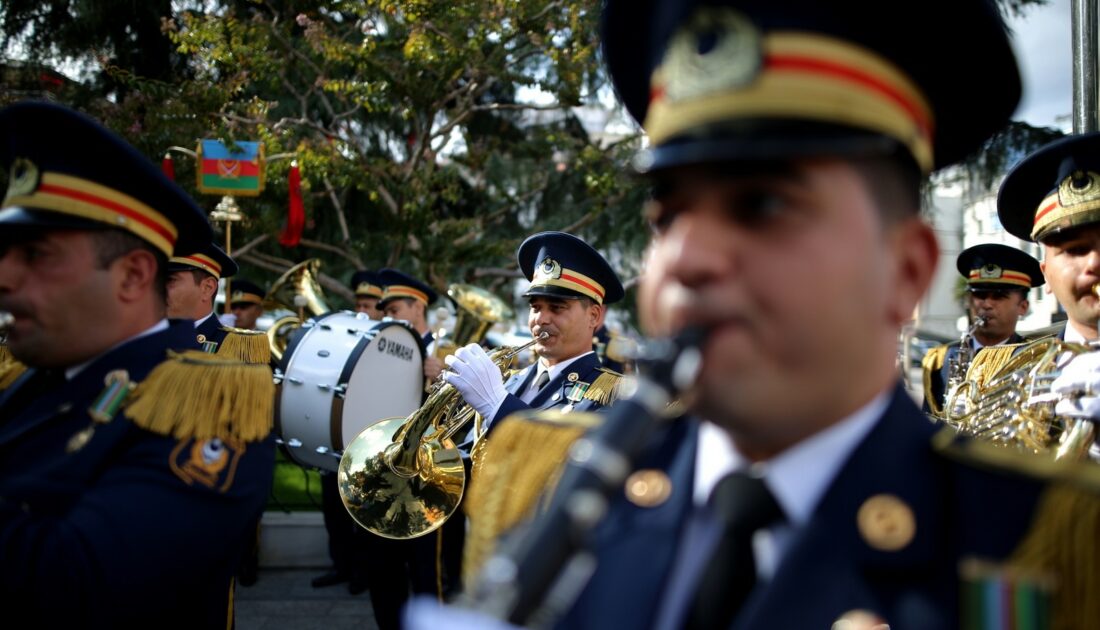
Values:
[(535, 577)]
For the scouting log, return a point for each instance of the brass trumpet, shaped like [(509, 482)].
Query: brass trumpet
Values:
[(403, 477)]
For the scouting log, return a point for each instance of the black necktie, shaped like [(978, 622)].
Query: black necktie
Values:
[(744, 505), (541, 380)]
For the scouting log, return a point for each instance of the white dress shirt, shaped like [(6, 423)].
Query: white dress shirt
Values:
[(555, 371)]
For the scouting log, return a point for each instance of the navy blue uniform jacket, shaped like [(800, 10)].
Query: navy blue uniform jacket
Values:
[(212, 330), (555, 393), (131, 530), (828, 569)]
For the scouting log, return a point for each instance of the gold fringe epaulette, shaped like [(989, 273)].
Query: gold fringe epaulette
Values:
[(515, 468), (194, 394), (605, 389), (1062, 546), (931, 363), (250, 346), (10, 368), (990, 360)]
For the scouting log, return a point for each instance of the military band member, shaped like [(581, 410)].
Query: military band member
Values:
[(246, 302), (998, 279), (368, 291), (192, 284), (571, 286), (125, 497), (1051, 198), (406, 298), (192, 287), (787, 142)]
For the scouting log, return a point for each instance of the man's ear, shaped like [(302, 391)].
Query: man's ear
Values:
[(917, 254), (137, 272), (596, 314), (209, 287)]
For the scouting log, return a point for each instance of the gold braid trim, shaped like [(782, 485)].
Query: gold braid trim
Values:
[(197, 395), (10, 368), (250, 346), (989, 361), (930, 364), (514, 469), (605, 389), (1063, 544)]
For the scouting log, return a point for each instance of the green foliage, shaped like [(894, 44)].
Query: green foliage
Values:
[(432, 136)]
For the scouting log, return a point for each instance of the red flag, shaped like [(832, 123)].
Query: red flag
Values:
[(168, 166), (296, 216)]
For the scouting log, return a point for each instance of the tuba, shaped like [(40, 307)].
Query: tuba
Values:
[(298, 291), (403, 477), (476, 310)]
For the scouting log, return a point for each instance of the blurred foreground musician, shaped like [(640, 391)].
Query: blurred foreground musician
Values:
[(132, 465), (1052, 197), (998, 279), (788, 140)]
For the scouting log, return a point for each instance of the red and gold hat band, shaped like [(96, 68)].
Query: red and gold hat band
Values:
[(239, 297), (992, 274), (398, 290), (366, 289), (88, 200), (784, 75), (1076, 202), (199, 261), (572, 280)]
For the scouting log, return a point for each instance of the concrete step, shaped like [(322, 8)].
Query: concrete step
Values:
[(290, 540)]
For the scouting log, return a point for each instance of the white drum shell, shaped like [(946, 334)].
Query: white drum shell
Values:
[(345, 373)]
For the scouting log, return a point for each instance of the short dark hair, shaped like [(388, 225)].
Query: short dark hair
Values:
[(894, 182), (112, 244)]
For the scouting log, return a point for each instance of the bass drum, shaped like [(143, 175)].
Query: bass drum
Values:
[(341, 373)]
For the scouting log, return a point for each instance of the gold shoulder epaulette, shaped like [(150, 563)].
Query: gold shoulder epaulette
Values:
[(931, 363), (250, 346), (515, 468), (1061, 545), (10, 368), (197, 395), (989, 360), (605, 389)]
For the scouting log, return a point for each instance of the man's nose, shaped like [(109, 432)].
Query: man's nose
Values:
[(699, 248)]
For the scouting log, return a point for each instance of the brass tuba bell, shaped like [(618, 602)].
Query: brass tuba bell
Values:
[(296, 290), (476, 310)]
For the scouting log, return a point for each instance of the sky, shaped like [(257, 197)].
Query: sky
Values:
[(1042, 39)]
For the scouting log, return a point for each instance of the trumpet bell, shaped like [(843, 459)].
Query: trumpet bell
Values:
[(394, 498)]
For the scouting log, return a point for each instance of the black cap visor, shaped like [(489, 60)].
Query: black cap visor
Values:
[(765, 141)]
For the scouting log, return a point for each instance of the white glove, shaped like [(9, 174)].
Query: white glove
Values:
[(1079, 384), (227, 319), (477, 378)]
